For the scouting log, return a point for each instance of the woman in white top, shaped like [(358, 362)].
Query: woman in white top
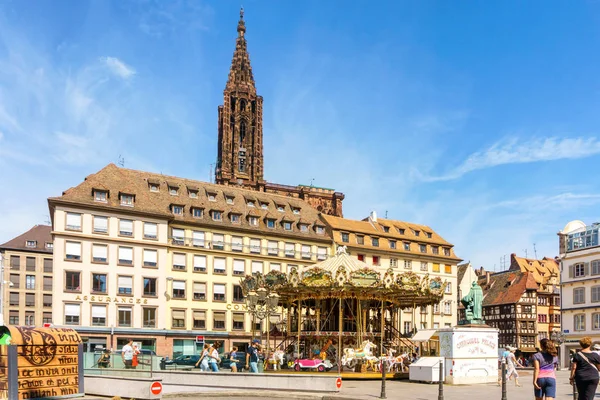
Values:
[(511, 366)]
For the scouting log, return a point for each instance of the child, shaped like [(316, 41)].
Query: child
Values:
[(233, 359)]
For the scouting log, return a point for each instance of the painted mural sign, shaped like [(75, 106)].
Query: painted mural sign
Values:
[(46, 361), (469, 345)]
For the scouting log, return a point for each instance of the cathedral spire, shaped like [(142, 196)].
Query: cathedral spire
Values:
[(240, 73)]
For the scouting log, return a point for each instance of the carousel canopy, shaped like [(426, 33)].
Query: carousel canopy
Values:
[(341, 277)]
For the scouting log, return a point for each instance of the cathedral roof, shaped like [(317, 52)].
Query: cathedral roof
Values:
[(240, 73), (207, 196)]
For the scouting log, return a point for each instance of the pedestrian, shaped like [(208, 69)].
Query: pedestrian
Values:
[(203, 360), (252, 356), (134, 360), (213, 357), (584, 373), (127, 354), (596, 348), (233, 359), (544, 377), (104, 360), (511, 366)]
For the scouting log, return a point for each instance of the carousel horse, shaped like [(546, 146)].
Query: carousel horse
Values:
[(276, 359), (351, 355), (326, 346)]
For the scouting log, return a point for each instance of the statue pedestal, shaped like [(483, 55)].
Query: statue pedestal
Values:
[(471, 354)]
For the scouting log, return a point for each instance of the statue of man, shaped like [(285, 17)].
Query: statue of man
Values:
[(473, 302)]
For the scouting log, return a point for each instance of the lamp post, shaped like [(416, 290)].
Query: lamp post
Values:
[(558, 337), (261, 304)]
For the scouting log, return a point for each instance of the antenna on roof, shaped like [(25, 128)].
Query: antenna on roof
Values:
[(526, 253), (535, 251), (385, 214), (311, 182), (47, 221), (121, 161)]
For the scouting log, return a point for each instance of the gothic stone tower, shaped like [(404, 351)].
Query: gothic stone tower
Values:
[(240, 153)]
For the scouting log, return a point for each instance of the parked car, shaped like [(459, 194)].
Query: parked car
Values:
[(184, 360), (226, 363)]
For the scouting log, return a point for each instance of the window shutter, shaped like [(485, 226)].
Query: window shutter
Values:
[(150, 256), (100, 223), (178, 233), (199, 287), (73, 248), (150, 229), (178, 314), (275, 267), (179, 259), (125, 253), (99, 251), (200, 262), (72, 309), (125, 282), (257, 266), (219, 289), (571, 271), (198, 239), (98, 311), (179, 285), (239, 266), (219, 264)]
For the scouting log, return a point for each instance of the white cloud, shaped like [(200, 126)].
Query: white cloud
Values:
[(118, 67), (511, 151)]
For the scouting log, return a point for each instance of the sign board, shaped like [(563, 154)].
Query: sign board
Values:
[(199, 339), (461, 344), (156, 388), (338, 383), (566, 331)]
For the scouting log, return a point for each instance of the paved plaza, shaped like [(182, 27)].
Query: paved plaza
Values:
[(368, 390)]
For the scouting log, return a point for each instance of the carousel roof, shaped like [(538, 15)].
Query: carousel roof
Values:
[(341, 276)]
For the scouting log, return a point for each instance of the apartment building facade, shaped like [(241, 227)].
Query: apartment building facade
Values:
[(28, 277), (580, 284)]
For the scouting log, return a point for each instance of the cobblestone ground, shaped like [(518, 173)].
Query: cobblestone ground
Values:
[(369, 390)]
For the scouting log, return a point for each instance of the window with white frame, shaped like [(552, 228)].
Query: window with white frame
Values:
[(275, 267), (290, 250), (73, 251), (595, 294), (125, 227), (197, 239), (239, 267), (219, 266), (392, 244), (596, 321), (320, 229), (99, 253), (125, 284), (72, 314), (98, 315), (306, 253), (273, 248), (100, 224), (199, 291), (150, 230), (578, 295), (578, 270), (255, 246), (436, 308), (579, 322), (100, 195), (253, 221), (448, 287), (179, 261), (219, 292), (448, 308), (199, 263), (177, 209), (424, 266), (321, 253), (178, 236), (124, 316), (257, 266), (150, 258), (406, 246), (179, 289), (237, 243), (218, 241), (73, 221), (393, 262), (407, 264), (125, 255), (126, 200)]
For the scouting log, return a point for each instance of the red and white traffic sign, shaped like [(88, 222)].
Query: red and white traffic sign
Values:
[(156, 388), (338, 383), (199, 339)]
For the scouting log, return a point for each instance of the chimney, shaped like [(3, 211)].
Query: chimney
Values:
[(373, 216), (487, 278)]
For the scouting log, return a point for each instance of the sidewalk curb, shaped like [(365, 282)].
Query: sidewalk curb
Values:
[(253, 393)]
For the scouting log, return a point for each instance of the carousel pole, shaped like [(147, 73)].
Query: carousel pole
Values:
[(340, 323), (318, 307), (299, 318), (382, 396)]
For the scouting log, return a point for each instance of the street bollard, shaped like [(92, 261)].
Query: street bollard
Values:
[(382, 396), (503, 379), (441, 382)]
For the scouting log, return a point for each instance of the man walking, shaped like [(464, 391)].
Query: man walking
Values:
[(252, 356), (127, 354)]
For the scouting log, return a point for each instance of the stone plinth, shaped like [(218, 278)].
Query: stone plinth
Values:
[(471, 354)]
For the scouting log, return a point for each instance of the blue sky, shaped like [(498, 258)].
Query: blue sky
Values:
[(477, 118)]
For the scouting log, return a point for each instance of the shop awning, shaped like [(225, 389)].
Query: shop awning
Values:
[(423, 335)]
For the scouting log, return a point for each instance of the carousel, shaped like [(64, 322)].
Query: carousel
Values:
[(342, 314)]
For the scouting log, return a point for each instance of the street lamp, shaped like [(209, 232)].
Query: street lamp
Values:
[(261, 304), (558, 337)]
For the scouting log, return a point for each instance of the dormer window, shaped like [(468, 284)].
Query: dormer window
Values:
[(320, 229), (406, 246), (386, 229), (280, 208), (417, 233), (270, 223), (360, 239), (250, 203), (212, 197), (197, 212), (428, 234), (264, 205), (392, 244), (126, 199), (177, 210), (154, 187), (229, 199), (303, 228), (235, 218), (253, 221), (173, 190), (49, 245), (287, 226), (296, 210), (375, 242), (435, 249), (446, 251), (216, 215), (31, 243), (400, 231), (193, 193), (423, 248), (100, 195)]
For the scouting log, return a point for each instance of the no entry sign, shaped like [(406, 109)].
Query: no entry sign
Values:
[(156, 388), (338, 383)]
